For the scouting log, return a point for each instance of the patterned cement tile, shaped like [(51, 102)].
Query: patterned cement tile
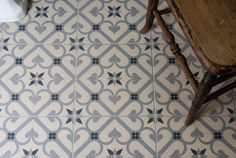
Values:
[(109, 80), (47, 21), (112, 21), (114, 80), (36, 80), (35, 137), (206, 137), (114, 137), (173, 94), (171, 24)]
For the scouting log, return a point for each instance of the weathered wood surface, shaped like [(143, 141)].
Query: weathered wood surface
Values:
[(210, 26)]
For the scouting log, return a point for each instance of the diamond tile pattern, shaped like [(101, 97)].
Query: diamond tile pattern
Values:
[(78, 80)]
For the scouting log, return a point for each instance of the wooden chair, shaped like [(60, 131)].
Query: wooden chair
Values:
[(210, 28)]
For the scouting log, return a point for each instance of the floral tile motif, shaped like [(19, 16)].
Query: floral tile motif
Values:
[(173, 94), (114, 137), (114, 80), (35, 137), (78, 80), (112, 21), (47, 22), (36, 80), (171, 24), (206, 137)]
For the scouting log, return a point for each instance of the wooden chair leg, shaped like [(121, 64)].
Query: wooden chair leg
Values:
[(152, 5), (201, 95), (220, 91), (180, 59)]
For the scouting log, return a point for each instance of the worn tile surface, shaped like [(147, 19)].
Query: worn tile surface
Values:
[(78, 80)]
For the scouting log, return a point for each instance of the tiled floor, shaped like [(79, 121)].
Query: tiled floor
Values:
[(78, 80)]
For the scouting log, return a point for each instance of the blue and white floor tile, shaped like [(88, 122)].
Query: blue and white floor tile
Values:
[(111, 21), (207, 137), (47, 22), (114, 80), (37, 80), (114, 137), (35, 137), (78, 80)]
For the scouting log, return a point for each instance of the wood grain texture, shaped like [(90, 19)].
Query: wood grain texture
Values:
[(174, 47), (203, 91), (210, 26), (152, 5)]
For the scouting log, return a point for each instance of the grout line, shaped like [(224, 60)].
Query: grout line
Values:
[(154, 99), (73, 137), (123, 116), (2, 36), (74, 105), (75, 116), (36, 116), (79, 43), (38, 44), (114, 116)]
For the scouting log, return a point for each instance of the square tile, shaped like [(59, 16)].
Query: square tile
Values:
[(171, 24), (114, 21), (173, 94), (35, 137), (47, 22), (114, 137), (206, 137), (114, 80), (37, 80)]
